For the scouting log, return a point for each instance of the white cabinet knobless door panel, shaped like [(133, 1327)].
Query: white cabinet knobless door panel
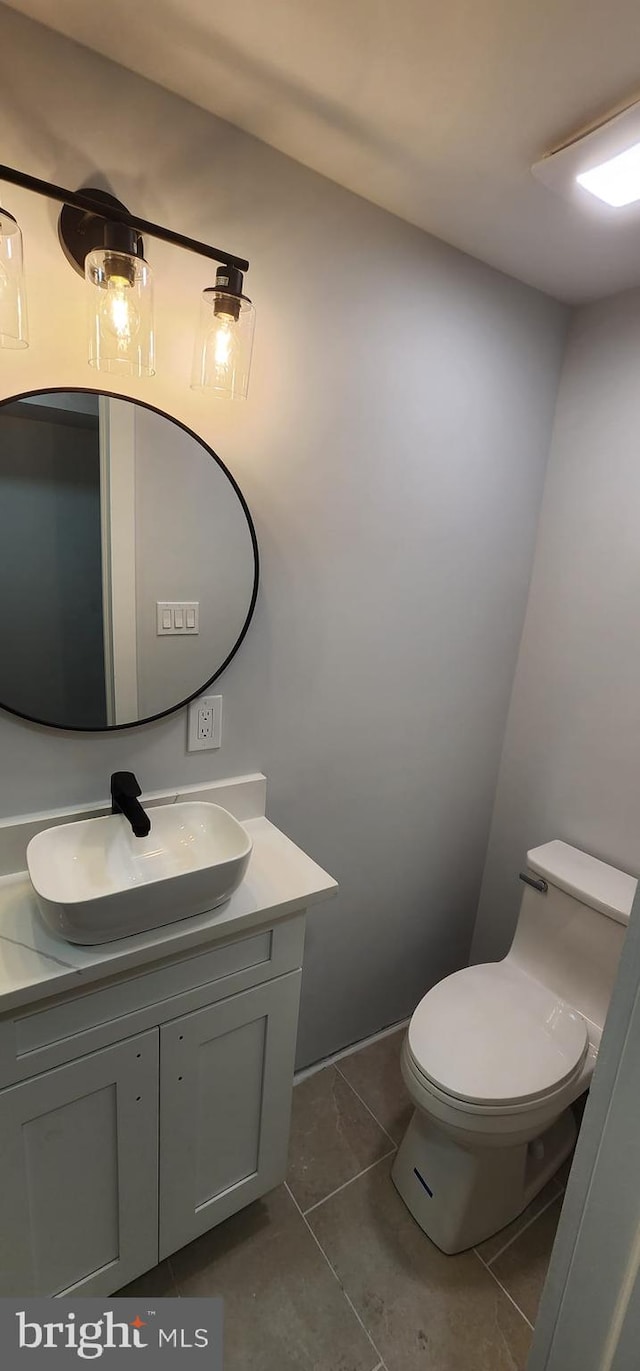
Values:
[(120, 1155), (79, 1173), (225, 1087)]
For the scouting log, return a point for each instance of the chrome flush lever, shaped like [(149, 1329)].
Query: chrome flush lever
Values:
[(537, 884)]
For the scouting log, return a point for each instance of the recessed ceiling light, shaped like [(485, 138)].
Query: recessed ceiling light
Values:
[(616, 181), (600, 168)]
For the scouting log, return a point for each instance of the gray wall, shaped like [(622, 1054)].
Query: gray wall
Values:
[(392, 451), (571, 762)]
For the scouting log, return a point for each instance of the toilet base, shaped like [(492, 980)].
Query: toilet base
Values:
[(461, 1196)]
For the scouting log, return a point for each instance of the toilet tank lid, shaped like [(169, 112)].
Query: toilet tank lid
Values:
[(594, 883)]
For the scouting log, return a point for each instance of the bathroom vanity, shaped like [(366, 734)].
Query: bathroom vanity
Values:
[(145, 1084)]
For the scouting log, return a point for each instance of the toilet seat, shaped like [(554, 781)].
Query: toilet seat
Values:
[(492, 1037)]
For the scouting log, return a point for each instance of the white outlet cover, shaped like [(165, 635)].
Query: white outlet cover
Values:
[(194, 742)]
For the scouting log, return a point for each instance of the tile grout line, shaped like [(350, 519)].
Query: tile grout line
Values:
[(364, 1102), (344, 1185), (380, 1364), (503, 1289), (394, 1148), (538, 1215)]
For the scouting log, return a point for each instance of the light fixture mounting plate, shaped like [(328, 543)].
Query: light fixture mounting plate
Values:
[(80, 230)]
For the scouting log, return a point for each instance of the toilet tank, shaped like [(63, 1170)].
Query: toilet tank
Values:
[(570, 936)]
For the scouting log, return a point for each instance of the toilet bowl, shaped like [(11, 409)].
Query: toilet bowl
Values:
[(496, 1054)]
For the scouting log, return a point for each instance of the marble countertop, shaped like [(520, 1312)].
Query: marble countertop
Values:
[(35, 963)]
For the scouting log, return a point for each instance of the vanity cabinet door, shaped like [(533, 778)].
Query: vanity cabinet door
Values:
[(79, 1173), (226, 1075)]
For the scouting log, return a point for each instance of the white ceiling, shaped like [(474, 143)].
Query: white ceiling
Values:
[(434, 109)]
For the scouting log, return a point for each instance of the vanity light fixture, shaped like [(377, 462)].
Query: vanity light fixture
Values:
[(120, 312), (599, 167), (103, 241), (224, 341), (13, 300), (119, 286)]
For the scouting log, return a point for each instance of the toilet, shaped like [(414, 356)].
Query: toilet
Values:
[(496, 1054)]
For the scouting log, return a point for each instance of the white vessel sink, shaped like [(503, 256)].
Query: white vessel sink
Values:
[(95, 881)]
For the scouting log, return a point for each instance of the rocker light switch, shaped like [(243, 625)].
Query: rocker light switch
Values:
[(177, 616)]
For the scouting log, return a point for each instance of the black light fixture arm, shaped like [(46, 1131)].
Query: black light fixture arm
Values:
[(84, 201)]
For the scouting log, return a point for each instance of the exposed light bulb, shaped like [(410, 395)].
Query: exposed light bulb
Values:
[(119, 314), (222, 352), (224, 340)]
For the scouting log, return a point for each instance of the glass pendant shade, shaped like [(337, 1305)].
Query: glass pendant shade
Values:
[(14, 331), (120, 313), (224, 343)]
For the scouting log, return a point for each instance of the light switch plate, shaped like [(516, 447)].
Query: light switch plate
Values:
[(177, 616), (204, 729)]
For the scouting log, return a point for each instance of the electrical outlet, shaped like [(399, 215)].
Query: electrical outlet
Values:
[(205, 723), (204, 728)]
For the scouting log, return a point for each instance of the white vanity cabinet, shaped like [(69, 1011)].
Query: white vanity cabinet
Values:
[(79, 1173), (145, 1083), (139, 1113), (225, 1088)]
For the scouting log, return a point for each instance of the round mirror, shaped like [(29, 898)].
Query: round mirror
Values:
[(128, 561)]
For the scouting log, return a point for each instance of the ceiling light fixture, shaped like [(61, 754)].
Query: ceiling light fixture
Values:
[(599, 168), (616, 181), (103, 241)]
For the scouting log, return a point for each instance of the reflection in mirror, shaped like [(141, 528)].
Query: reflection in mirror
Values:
[(128, 562)]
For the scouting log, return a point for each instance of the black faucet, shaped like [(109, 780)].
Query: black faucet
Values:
[(124, 800)]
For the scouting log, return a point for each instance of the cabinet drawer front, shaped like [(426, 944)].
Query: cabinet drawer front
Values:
[(79, 1022), (79, 1173), (226, 1075)]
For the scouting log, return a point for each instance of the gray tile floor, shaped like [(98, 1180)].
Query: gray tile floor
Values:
[(331, 1273)]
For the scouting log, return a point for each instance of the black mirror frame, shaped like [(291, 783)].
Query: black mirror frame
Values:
[(151, 718)]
